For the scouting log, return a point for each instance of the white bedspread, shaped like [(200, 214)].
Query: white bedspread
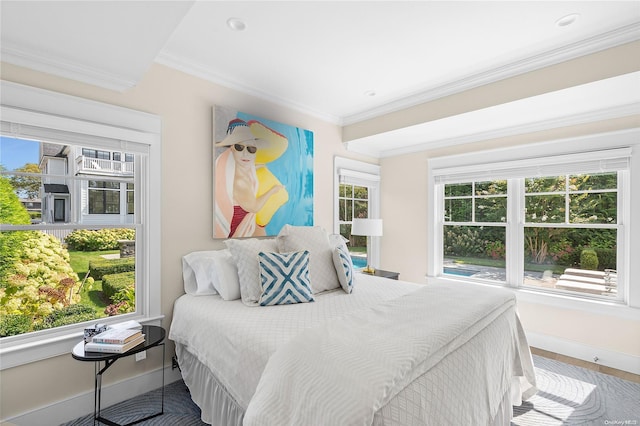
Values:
[(345, 371), (235, 341)]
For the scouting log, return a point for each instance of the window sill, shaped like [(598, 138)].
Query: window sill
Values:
[(48, 344), (599, 307)]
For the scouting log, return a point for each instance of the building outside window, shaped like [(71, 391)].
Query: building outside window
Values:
[(58, 272)]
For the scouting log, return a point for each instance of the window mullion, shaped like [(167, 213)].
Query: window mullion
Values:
[(515, 233)]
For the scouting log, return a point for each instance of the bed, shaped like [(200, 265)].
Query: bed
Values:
[(373, 352)]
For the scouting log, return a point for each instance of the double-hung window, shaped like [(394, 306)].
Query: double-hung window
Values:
[(92, 210), (555, 224), (357, 197)]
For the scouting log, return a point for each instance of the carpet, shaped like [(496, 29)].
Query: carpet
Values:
[(568, 395)]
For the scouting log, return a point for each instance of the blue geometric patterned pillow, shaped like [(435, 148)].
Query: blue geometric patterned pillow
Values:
[(344, 267), (284, 278)]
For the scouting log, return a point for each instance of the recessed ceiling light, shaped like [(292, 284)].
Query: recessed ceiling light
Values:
[(567, 20), (370, 93), (236, 24)]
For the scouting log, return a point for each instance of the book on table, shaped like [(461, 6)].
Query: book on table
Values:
[(116, 336), (113, 348)]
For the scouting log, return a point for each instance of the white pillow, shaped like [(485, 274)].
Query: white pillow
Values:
[(316, 241), (338, 240), (197, 273), (344, 267), (284, 278), (211, 272), (245, 254)]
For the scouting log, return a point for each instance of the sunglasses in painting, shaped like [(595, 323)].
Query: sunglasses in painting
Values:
[(240, 148)]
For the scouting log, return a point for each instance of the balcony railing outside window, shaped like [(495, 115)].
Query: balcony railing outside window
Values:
[(99, 166)]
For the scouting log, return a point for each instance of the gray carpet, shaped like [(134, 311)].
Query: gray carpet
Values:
[(568, 395)]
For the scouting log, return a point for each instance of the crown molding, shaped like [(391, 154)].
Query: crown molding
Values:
[(42, 61), (198, 70), (528, 62)]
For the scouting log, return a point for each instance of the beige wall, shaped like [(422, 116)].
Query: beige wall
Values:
[(184, 103)]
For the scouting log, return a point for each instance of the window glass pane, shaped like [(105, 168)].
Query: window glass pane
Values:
[(458, 189), (545, 208), (458, 210), (46, 279), (475, 251), (491, 188), (593, 208), (346, 191), (361, 209), (593, 182), (342, 210), (570, 259), (361, 192), (545, 184), (493, 209)]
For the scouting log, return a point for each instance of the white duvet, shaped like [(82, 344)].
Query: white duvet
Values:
[(389, 341)]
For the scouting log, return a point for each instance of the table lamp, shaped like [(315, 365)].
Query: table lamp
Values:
[(368, 228)]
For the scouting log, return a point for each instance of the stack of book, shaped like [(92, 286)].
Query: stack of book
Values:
[(115, 340)]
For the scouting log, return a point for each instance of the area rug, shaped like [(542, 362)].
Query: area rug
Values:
[(568, 395)]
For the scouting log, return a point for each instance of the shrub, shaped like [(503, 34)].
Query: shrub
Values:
[(123, 301), (113, 283), (38, 279), (606, 258), (589, 259), (496, 250), (10, 325), (101, 239), (68, 315), (101, 267), (463, 241)]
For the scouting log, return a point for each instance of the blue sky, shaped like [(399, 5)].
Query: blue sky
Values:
[(15, 153)]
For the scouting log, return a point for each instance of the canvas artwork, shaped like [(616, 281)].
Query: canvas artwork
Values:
[(263, 175)]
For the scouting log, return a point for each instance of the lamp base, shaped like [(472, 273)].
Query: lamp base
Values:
[(369, 270)]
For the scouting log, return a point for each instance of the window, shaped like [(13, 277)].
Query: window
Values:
[(66, 131), (353, 202), (553, 225), (474, 228), (104, 197), (94, 153), (357, 196)]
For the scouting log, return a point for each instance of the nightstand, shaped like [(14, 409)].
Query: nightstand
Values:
[(153, 336), (386, 274)]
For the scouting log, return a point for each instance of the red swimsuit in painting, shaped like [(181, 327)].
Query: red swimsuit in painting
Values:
[(238, 214)]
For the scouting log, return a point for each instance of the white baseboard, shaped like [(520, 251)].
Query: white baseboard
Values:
[(82, 404), (617, 360)]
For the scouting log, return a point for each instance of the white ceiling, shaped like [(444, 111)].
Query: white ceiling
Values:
[(322, 58)]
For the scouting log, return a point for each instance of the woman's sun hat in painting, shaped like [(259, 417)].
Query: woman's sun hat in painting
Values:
[(270, 143)]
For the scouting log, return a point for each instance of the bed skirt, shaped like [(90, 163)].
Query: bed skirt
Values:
[(217, 407)]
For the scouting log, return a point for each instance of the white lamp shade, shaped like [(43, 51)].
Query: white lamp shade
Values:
[(368, 227)]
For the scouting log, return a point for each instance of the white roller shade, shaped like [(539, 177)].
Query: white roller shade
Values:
[(610, 160)]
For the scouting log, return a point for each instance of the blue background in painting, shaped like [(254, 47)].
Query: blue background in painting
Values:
[(295, 170)]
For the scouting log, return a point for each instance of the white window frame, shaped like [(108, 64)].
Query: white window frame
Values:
[(26, 107), (358, 173), (481, 162)]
